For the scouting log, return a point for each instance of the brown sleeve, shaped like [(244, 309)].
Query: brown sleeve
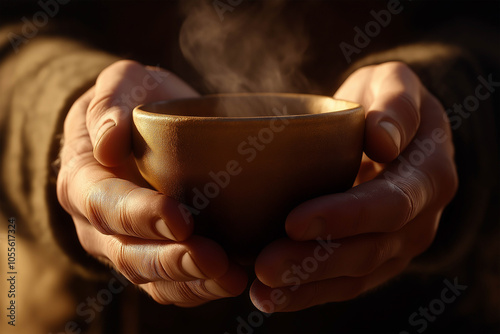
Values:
[(40, 78)]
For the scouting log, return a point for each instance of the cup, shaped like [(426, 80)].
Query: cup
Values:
[(241, 162)]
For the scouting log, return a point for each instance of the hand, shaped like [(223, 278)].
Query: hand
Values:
[(342, 245), (118, 218)]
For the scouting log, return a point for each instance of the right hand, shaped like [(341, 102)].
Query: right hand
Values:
[(118, 217)]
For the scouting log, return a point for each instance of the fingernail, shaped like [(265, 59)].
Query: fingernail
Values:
[(216, 289), (108, 124), (315, 229), (190, 267), (393, 132), (162, 228)]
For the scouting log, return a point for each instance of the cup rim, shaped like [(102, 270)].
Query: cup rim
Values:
[(140, 109)]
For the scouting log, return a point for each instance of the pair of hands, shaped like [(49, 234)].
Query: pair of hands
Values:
[(407, 177)]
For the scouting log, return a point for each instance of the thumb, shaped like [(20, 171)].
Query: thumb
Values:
[(393, 116), (118, 90)]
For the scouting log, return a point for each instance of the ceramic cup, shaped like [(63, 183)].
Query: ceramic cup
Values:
[(241, 162)]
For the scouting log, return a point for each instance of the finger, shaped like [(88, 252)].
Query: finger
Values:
[(76, 140), (424, 175), (392, 98), (285, 299), (116, 206), (111, 204), (291, 263), (119, 88), (197, 292), (393, 117), (385, 204), (379, 205), (143, 261)]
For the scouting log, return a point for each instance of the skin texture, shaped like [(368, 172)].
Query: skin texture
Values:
[(388, 218), (371, 231), (118, 219)]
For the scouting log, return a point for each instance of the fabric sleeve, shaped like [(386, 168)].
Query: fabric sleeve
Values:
[(40, 78)]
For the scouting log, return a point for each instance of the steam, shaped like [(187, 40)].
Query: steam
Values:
[(253, 49)]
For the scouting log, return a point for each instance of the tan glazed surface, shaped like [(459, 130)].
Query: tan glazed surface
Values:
[(241, 162)]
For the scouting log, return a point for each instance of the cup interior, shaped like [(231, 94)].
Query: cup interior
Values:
[(249, 106)]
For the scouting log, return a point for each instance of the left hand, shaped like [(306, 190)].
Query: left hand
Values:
[(118, 218), (342, 245)]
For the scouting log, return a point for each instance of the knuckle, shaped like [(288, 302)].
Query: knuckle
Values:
[(398, 66), (98, 107), (75, 155), (126, 216), (62, 189), (92, 204), (399, 221), (119, 257), (162, 269), (131, 216), (196, 292), (120, 66), (406, 98), (157, 295), (403, 208), (413, 192), (124, 65), (401, 216), (406, 104), (185, 294), (363, 71), (65, 183), (398, 69), (188, 293), (176, 293), (81, 103)]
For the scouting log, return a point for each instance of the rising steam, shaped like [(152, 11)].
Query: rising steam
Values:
[(253, 49)]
